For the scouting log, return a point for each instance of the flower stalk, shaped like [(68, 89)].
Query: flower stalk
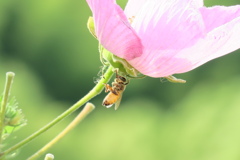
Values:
[(94, 92), (89, 107), (6, 93)]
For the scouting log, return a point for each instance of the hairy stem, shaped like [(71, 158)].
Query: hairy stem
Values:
[(94, 92)]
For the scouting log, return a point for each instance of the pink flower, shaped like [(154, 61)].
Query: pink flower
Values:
[(164, 37)]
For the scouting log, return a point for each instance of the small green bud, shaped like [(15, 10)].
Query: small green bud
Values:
[(14, 118)]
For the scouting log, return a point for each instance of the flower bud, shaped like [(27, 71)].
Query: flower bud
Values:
[(14, 117)]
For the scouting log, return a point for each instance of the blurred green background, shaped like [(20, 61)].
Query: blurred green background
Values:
[(56, 61)]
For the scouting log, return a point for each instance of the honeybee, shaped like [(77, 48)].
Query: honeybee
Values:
[(116, 90)]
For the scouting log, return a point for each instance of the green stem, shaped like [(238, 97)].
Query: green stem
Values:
[(86, 110), (94, 92), (6, 93)]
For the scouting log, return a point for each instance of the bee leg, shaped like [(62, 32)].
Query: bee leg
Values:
[(108, 88), (116, 71)]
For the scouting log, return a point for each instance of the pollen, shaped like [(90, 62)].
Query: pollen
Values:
[(131, 19)]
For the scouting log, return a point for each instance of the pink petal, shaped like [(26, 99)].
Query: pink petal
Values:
[(164, 25), (133, 7), (218, 15), (222, 38), (219, 42), (113, 29), (197, 3), (165, 29)]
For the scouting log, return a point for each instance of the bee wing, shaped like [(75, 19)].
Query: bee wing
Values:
[(117, 104)]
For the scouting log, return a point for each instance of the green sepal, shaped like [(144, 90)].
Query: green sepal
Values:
[(174, 79), (91, 27), (119, 64)]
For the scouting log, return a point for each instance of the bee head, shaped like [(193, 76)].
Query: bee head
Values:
[(121, 80)]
